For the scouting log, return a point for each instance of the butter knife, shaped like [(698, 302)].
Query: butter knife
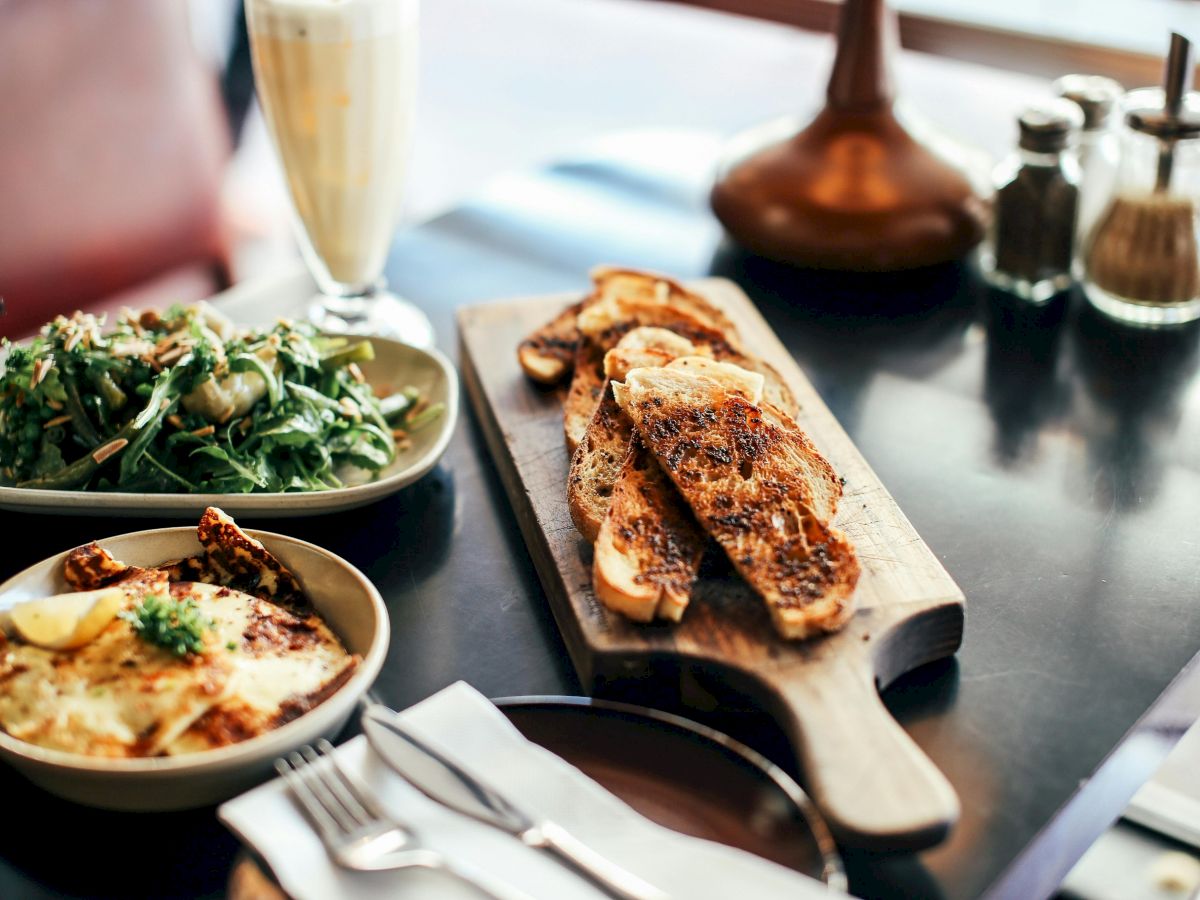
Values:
[(448, 783)]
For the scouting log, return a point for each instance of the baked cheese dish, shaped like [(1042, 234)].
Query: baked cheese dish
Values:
[(194, 655)]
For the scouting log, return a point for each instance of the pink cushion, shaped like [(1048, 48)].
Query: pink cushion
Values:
[(111, 156)]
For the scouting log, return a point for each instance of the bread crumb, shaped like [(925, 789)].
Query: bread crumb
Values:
[(1176, 872)]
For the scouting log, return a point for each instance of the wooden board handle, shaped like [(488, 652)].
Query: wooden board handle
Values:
[(875, 787)]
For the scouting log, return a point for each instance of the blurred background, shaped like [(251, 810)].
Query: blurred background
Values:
[(136, 168)]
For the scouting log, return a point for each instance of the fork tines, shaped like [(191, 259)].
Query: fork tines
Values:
[(335, 800)]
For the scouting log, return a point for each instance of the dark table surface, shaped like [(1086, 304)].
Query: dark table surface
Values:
[(1049, 458)]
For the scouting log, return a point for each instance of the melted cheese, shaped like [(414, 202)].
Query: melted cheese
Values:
[(120, 696), (116, 696), (282, 664)]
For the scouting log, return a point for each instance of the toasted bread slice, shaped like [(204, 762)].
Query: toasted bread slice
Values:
[(548, 354), (617, 288), (621, 296), (587, 383), (644, 348), (730, 376), (583, 397), (649, 548), (751, 485), (597, 459), (775, 389), (595, 465)]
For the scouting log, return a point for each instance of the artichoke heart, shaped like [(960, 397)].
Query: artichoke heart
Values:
[(234, 393)]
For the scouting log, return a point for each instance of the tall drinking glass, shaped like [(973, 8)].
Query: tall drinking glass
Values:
[(337, 81)]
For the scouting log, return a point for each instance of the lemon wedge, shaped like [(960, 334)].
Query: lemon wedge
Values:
[(66, 621)]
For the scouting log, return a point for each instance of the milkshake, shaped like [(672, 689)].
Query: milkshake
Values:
[(337, 82)]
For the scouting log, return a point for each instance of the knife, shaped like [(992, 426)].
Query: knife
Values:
[(443, 780)]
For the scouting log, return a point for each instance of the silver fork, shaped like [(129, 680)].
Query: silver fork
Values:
[(357, 832)]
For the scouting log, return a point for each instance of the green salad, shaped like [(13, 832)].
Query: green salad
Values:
[(183, 401)]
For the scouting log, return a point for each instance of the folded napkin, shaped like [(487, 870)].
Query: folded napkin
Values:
[(465, 726)]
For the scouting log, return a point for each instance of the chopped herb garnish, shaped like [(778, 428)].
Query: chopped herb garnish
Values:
[(231, 646), (177, 626)]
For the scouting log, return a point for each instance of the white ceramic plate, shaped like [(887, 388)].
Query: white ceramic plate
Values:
[(346, 600), (395, 366)]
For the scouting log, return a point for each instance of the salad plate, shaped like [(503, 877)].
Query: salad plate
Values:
[(395, 367)]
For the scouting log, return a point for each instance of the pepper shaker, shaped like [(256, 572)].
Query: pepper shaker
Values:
[(1036, 206), (1099, 151)]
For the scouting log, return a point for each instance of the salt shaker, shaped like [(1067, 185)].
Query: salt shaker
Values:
[(1099, 150), (1036, 206), (1142, 260)]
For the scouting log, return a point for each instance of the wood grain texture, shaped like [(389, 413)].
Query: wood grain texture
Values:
[(876, 788)]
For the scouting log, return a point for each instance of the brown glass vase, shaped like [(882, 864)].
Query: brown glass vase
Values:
[(855, 190)]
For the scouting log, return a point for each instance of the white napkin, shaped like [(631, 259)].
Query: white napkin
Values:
[(464, 725)]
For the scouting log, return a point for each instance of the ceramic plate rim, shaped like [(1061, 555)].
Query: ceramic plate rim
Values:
[(372, 662), (276, 504), (833, 873)]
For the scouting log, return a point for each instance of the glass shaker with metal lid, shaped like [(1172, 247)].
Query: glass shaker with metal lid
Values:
[(1099, 150), (1035, 206), (1142, 260)]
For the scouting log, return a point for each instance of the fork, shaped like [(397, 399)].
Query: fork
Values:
[(357, 833)]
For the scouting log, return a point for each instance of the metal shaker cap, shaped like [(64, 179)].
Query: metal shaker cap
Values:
[(1169, 113), (1096, 95), (1049, 126)]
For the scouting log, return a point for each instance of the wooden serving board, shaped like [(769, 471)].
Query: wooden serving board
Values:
[(875, 787)]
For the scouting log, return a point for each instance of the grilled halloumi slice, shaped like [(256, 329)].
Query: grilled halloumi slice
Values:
[(241, 561), (281, 665), (118, 695), (115, 696), (231, 558)]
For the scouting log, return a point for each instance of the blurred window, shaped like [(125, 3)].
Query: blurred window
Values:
[(1124, 39)]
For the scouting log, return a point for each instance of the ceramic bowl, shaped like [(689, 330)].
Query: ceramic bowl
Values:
[(343, 596)]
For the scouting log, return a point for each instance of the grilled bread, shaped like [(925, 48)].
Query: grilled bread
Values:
[(587, 382), (598, 457), (605, 443), (649, 547), (762, 490), (583, 397), (622, 295), (548, 354)]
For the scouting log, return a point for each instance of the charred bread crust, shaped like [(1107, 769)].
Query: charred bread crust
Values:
[(750, 484), (649, 547), (548, 355)]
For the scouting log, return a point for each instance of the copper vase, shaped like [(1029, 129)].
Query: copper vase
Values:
[(855, 190)]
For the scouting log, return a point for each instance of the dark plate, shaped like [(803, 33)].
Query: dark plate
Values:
[(680, 774), (685, 776)]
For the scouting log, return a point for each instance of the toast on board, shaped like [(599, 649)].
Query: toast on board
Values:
[(649, 548), (548, 354), (624, 294), (587, 382), (605, 442), (583, 396), (750, 484)]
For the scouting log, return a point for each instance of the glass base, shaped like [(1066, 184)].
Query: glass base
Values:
[(1146, 315), (381, 313)]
